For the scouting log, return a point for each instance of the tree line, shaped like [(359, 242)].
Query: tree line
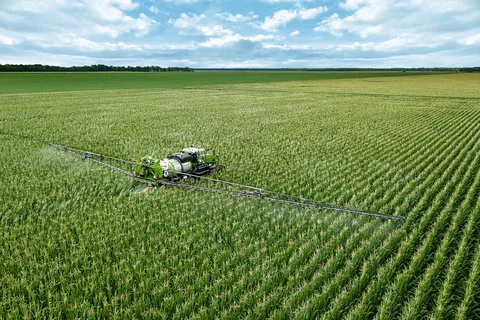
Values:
[(438, 69), (105, 68), (92, 68)]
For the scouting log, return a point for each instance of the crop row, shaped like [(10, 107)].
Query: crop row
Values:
[(81, 241)]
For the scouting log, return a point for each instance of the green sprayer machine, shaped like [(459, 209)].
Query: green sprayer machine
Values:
[(188, 169), (193, 161)]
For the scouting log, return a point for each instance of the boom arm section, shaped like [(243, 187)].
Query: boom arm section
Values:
[(197, 182)]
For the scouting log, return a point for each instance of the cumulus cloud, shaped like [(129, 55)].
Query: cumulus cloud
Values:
[(187, 21), (379, 33), (232, 38), (182, 1), (287, 1), (352, 4), (307, 14), (237, 17), (408, 17), (216, 35), (216, 31), (82, 17), (85, 45), (8, 41), (468, 41), (282, 17), (154, 10)]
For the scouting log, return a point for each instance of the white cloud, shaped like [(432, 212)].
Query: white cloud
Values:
[(237, 17), (154, 10), (86, 45), (222, 41), (397, 44), (141, 26), (282, 17), (467, 41), (308, 14), (287, 1), (83, 17), (397, 18), (352, 4), (232, 38), (216, 31), (123, 4), (187, 21), (8, 41), (392, 45), (217, 36), (381, 33), (182, 1)]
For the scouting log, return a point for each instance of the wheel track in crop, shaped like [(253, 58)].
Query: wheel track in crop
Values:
[(374, 291)]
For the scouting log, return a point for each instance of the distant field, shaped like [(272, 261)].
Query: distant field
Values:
[(56, 82), (80, 241)]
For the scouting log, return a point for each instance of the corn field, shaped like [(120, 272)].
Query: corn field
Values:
[(80, 241)]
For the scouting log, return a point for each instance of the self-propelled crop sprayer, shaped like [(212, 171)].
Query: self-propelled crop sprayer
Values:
[(195, 161), (188, 169)]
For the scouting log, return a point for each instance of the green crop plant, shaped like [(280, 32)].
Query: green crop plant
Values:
[(80, 241), (469, 307), (423, 255), (454, 280), (424, 290)]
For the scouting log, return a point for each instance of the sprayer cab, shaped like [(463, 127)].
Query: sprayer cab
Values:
[(192, 160), (201, 155)]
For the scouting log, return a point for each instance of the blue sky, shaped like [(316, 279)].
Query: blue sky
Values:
[(249, 33)]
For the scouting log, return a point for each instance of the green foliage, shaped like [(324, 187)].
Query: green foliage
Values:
[(76, 81), (80, 241), (92, 68)]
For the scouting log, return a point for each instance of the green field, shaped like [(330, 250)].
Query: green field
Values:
[(80, 241), (57, 82)]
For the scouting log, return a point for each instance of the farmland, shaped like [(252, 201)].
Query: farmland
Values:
[(78, 240), (55, 82)]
